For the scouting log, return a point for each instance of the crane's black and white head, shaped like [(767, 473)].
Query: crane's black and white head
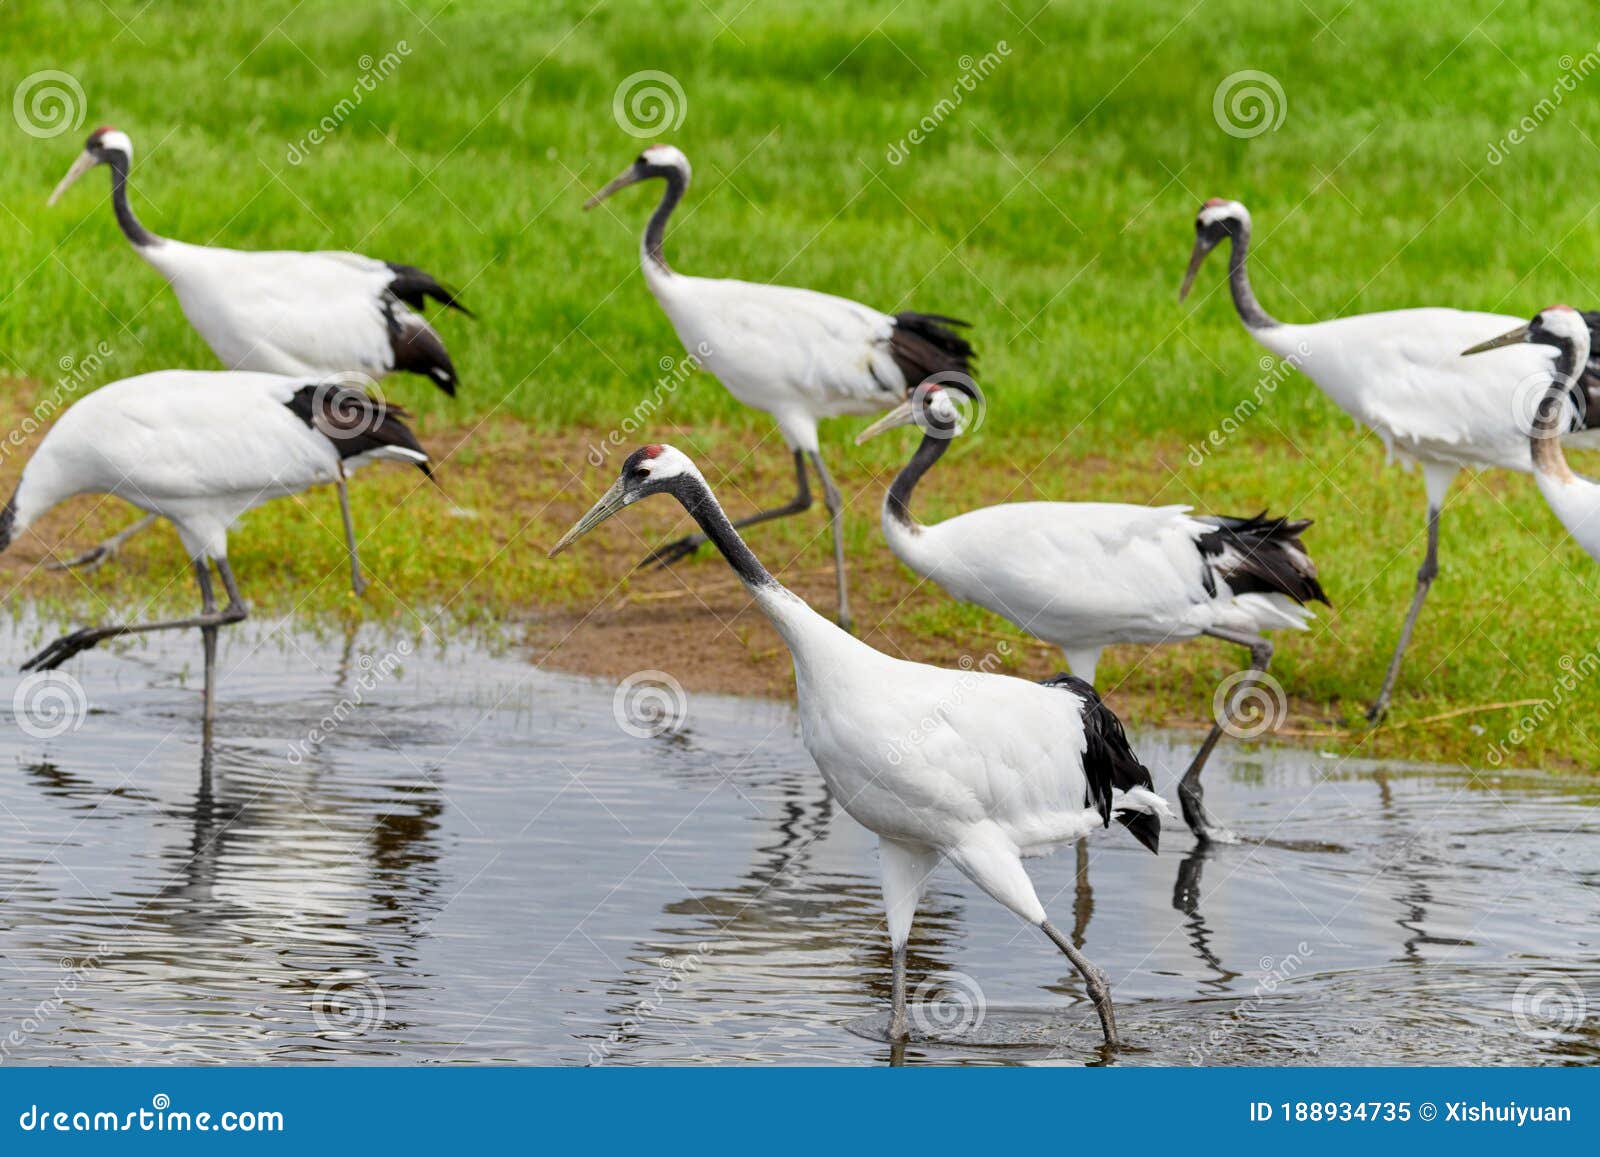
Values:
[(1218, 219), (943, 406), (1565, 331), (104, 146), (663, 162), (1560, 327), (654, 469)]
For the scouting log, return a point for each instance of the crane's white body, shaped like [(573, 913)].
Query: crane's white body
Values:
[(196, 447), (285, 312), (1087, 575), (981, 768), (796, 354), (1401, 374)]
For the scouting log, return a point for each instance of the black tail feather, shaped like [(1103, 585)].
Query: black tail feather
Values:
[(925, 344), (1145, 826), (1261, 554), (1109, 763), (356, 422), (413, 286), (419, 350)]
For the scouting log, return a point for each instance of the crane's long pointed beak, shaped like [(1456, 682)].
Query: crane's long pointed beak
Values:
[(1520, 334), (628, 176), (902, 415), (610, 502), (82, 165), (1196, 259)]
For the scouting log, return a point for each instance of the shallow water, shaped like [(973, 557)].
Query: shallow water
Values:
[(478, 864)]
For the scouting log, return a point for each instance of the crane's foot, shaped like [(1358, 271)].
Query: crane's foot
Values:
[(90, 560), (1191, 799), (66, 647), (98, 556), (673, 551), (1377, 711)]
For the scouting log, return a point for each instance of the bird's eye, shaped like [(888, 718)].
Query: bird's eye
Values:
[(640, 473)]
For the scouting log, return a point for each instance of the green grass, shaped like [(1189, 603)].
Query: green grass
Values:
[(1053, 209)]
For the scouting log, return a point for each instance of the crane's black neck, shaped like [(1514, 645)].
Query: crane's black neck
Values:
[(1547, 453), (131, 228), (656, 230), (898, 503), (704, 508), (1244, 298)]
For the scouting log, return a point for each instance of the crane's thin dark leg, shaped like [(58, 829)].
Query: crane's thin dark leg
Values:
[(682, 548), (96, 557), (830, 496), (1425, 577), (357, 583), (67, 646), (208, 637), (1093, 979), (1191, 796)]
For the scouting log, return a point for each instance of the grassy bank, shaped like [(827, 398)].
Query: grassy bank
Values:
[(1052, 206)]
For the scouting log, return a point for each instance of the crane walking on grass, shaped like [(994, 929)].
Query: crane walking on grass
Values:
[(798, 355), (199, 449), (283, 312), (1086, 575), (1401, 374), (977, 768), (1574, 499)]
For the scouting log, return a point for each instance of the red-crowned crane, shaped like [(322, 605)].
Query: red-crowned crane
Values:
[(199, 448), (798, 355), (1087, 575), (1401, 374), (314, 314), (976, 768)]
